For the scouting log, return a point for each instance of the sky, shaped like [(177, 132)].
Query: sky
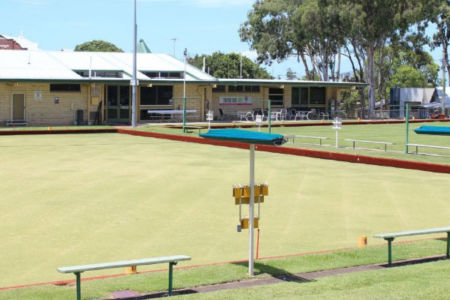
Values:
[(167, 26)]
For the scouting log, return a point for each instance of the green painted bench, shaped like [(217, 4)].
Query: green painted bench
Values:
[(389, 237), (77, 270)]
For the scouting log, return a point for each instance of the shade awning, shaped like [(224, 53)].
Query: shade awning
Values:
[(244, 136), (438, 130)]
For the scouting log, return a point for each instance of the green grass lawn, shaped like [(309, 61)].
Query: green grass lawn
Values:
[(430, 279), (394, 133), (75, 199), (21, 128)]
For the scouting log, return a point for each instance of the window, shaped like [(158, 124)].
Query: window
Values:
[(235, 88), (218, 89), (276, 95), (156, 95), (174, 75), (70, 88), (299, 97), (244, 88), (317, 95), (101, 74)]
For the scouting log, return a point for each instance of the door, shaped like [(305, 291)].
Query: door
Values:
[(118, 104), (18, 107)]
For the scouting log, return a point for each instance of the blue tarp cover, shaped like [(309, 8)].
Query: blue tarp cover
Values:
[(244, 136), (438, 130)]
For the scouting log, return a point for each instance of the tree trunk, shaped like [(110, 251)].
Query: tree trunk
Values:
[(355, 74), (338, 75), (371, 80), (305, 64)]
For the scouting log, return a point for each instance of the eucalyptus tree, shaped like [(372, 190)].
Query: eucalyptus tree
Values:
[(277, 29), (373, 23), (442, 37)]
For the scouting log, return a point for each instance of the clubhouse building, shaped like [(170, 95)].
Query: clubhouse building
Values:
[(67, 88)]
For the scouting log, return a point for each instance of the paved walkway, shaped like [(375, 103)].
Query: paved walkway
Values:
[(274, 279)]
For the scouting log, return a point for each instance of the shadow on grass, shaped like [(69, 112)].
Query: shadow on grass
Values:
[(279, 274)]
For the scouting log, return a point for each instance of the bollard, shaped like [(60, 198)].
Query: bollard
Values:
[(131, 270), (362, 241)]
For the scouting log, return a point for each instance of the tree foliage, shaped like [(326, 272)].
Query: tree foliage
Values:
[(319, 31), (98, 46), (222, 65)]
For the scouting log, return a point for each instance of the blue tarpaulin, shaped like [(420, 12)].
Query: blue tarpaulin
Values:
[(244, 136), (437, 130)]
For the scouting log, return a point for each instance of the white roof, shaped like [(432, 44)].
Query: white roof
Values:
[(60, 65), (32, 65)]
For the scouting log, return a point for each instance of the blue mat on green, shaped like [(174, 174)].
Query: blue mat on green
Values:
[(438, 130), (244, 136)]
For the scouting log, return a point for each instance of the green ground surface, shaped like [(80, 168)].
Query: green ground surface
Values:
[(394, 133), (21, 128), (75, 199), (429, 279)]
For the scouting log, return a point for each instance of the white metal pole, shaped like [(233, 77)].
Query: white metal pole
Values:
[(251, 212), (337, 146), (134, 81), (444, 96)]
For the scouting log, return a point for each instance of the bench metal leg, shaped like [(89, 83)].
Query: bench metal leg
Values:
[(77, 274), (389, 240), (448, 244), (171, 264)]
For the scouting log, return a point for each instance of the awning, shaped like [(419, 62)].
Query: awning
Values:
[(244, 136), (437, 130)]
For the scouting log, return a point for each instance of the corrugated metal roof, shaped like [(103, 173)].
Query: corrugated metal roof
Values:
[(32, 65), (288, 82), (60, 65)]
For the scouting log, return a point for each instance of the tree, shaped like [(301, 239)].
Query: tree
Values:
[(277, 29), (442, 38), (393, 62), (222, 65), (408, 76), (98, 46), (373, 23)]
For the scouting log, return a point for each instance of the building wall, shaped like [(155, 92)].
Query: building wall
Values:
[(195, 100), (259, 100), (43, 107)]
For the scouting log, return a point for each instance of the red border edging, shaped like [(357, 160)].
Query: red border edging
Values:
[(380, 161), (71, 281)]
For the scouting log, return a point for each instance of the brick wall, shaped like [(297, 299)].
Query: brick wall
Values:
[(43, 107)]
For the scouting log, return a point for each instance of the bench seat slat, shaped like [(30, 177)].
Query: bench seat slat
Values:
[(373, 142), (123, 263), (412, 232)]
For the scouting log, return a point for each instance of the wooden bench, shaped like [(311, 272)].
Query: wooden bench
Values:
[(293, 137), (389, 237), (371, 142), (77, 270), (426, 146)]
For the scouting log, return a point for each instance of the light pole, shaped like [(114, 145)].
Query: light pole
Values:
[(134, 82)]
